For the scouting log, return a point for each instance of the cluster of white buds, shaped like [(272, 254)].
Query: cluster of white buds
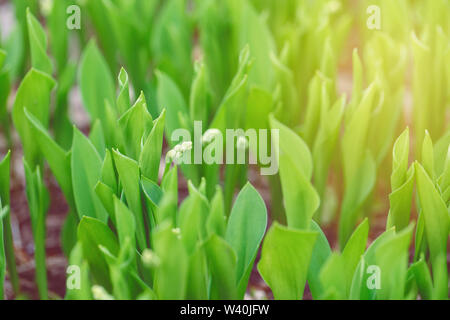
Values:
[(100, 293), (242, 143), (175, 154), (210, 135), (150, 259)]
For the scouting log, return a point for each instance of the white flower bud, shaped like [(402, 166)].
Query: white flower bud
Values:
[(170, 155), (209, 135), (186, 146), (259, 294), (46, 7), (100, 293), (150, 259), (241, 142), (178, 148)]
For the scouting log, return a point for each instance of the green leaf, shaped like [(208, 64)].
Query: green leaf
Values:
[(129, 175), (106, 196), (423, 279), (288, 111), (402, 182), (356, 193), (135, 124), (392, 259), (171, 275), (254, 32), (285, 258), (69, 233), (319, 256), (153, 195), (5, 179), (58, 159), (216, 40), (354, 141), (150, 157), (86, 167), (300, 198), (428, 156), (200, 97), (38, 202), (15, 46), (246, 227), (125, 280), (440, 152), (319, 96), (259, 106), (169, 203), (325, 143), (6, 221), (198, 285), (97, 138), (34, 95), (38, 45), (92, 233), (3, 213), (76, 259), (5, 87), (126, 224), (222, 262), (435, 216), (171, 99), (191, 218), (171, 43), (231, 111), (96, 83), (109, 175), (123, 99), (434, 211), (59, 36), (359, 289), (353, 251), (129, 32), (216, 222), (444, 180), (2, 57), (331, 278)]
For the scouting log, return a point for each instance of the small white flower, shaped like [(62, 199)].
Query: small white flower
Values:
[(178, 151), (210, 135), (178, 148), (259, 294), (46, 7), (177, 232), (100, 293), (150, 259), (241, 142), (186, 146), (176, 154), (170, 155)]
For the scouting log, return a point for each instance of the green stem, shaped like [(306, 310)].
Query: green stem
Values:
[(231, 179), (40, 259), (10, 256), (276, 209)]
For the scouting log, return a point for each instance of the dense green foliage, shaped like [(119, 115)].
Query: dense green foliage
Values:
[(141, 225)]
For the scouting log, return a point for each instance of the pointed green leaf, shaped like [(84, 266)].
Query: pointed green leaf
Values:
[(285, 258)]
